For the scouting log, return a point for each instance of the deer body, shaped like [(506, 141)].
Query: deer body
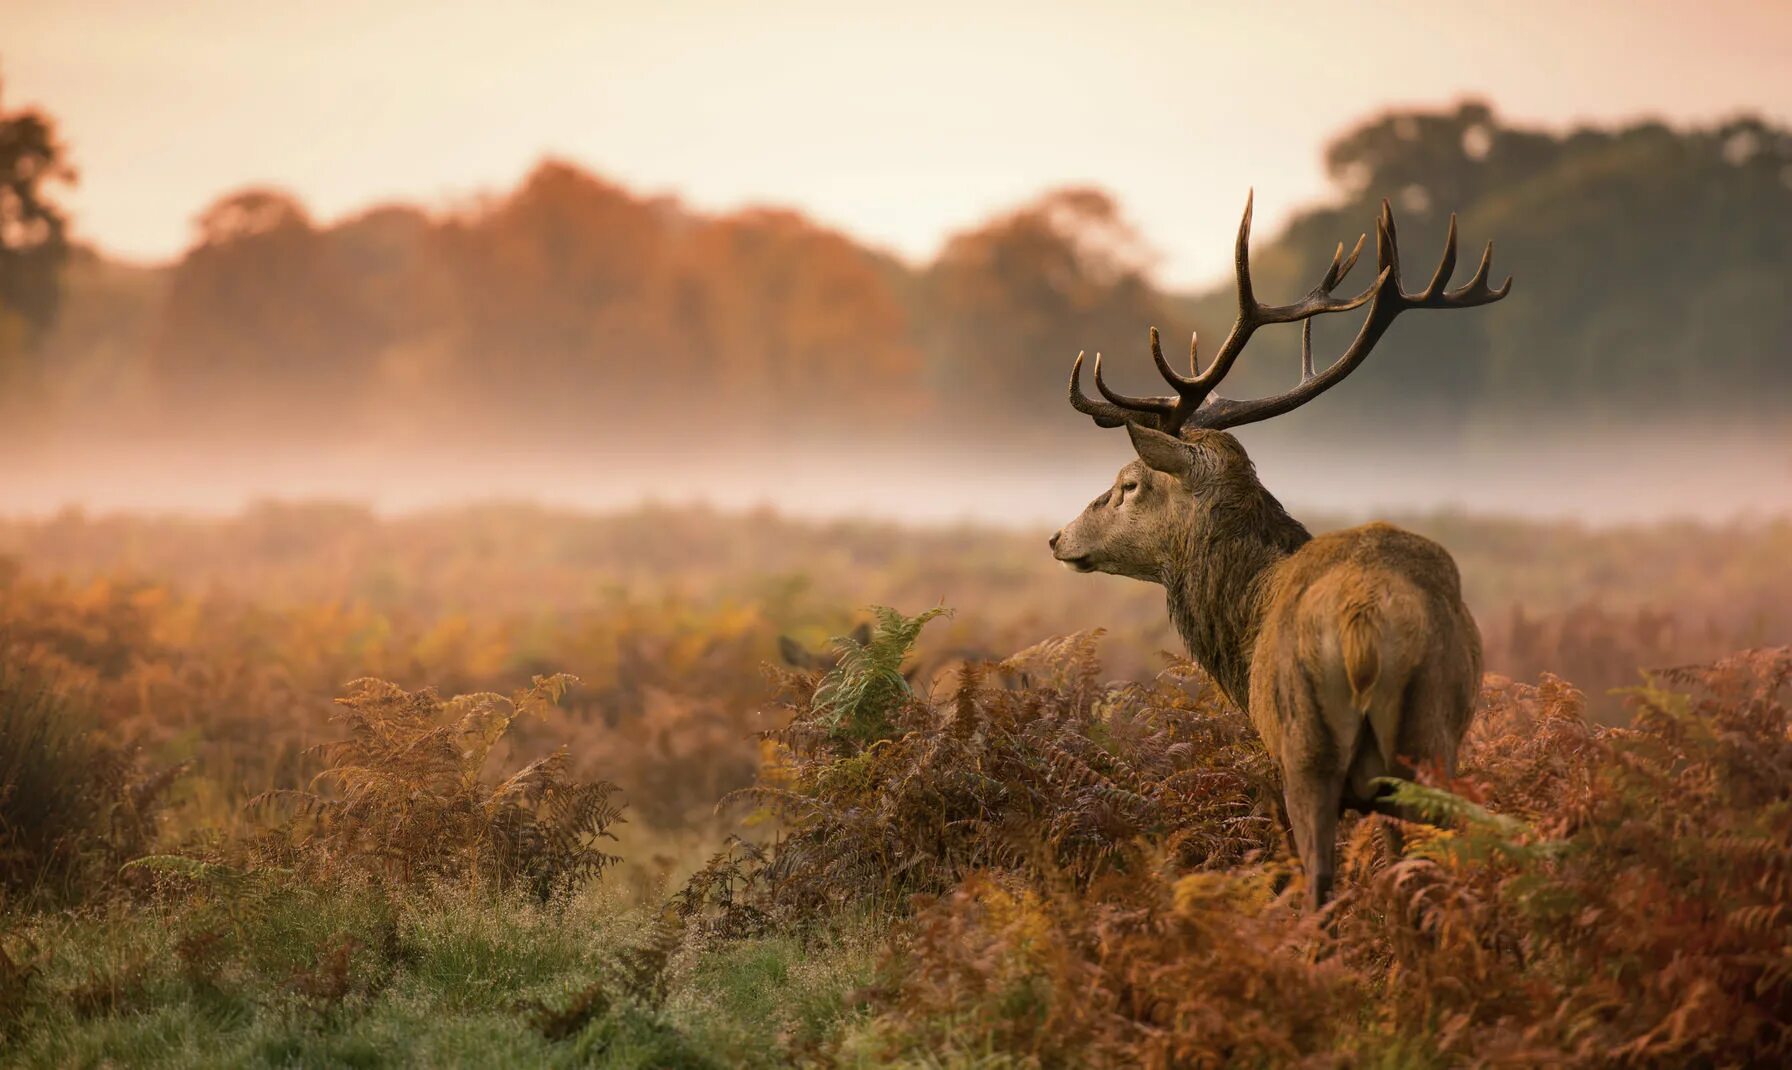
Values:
[(1366, 663), (1365, 634), (1353, 652)]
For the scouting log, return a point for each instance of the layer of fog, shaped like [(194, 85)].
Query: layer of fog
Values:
[(1609, 479)]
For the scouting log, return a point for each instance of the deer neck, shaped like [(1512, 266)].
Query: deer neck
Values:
[(1219, 582)]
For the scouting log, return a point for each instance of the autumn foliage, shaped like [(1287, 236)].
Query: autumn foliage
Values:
[(1614, 897), (406, 796), (569, 310), (899, 855)]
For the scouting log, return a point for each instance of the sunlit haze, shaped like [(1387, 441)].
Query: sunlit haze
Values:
[(806, 533), (459, 252), (899, 125)]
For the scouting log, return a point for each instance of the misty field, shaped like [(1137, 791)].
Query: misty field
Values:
[(306, 786), (524, 536)]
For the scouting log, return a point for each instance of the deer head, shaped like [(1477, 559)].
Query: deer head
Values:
[(1189, 469)]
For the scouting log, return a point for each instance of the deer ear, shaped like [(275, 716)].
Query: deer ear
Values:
[(1163, 453), (792, 651), (862, 634)]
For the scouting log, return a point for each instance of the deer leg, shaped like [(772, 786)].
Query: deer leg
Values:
[(1315, 796), (1362, 793), (1427, 702)]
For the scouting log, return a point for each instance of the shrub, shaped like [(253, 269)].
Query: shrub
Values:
[(72, 808), (1631, 904), (885, 794), (1600, 897), (405, 798), (1157, 969)]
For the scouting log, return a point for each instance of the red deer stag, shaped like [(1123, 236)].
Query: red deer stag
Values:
[(1352, 652)]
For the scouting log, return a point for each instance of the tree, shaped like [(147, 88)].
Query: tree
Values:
[(264, 319), (1008, 305), (1651, 267), (552, 304), (33, 232), (582, 309), (782, 324)]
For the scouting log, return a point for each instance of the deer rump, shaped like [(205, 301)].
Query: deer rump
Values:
[(1358, 672)]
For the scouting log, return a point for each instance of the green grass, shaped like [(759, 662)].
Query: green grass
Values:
[(436, 979), (754, 999)]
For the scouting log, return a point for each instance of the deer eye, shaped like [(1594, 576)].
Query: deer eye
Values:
[(1129, 486)]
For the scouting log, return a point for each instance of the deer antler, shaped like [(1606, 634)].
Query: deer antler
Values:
[(1196, 405)]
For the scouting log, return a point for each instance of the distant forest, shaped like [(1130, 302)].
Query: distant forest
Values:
[(1653, 264)]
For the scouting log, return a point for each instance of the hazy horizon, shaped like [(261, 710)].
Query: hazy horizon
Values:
[(1615, 478), (875, 123), (521, 348)]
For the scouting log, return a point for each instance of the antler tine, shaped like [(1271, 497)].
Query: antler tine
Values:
[(1171, 375), (1161, 406), (1249, 311), (1221, 412), (1105, 413), (1341, 265), (1387, 246), (1476, 291), (1241, 255), (1445, 266), (1252, 315), (1437, 294)]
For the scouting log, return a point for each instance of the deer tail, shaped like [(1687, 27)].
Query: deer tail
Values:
[(1359, 637)]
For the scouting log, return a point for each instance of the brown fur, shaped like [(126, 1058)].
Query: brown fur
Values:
[(1352, 652), (1358, 629)]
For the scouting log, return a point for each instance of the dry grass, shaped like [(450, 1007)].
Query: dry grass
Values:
[(1032, 861), (406, 797)]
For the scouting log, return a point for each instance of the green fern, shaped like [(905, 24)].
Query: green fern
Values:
[(1478, 834), (1448, 808), (859, 699)]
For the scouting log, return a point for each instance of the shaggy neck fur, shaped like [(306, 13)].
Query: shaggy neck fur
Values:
[(1221, 571)]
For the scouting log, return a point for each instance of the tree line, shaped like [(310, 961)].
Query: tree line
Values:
[(1652, 263)]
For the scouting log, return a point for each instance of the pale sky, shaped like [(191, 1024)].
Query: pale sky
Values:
[(899, 123)]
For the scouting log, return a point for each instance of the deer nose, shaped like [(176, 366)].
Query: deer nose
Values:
[(1053, 541)]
